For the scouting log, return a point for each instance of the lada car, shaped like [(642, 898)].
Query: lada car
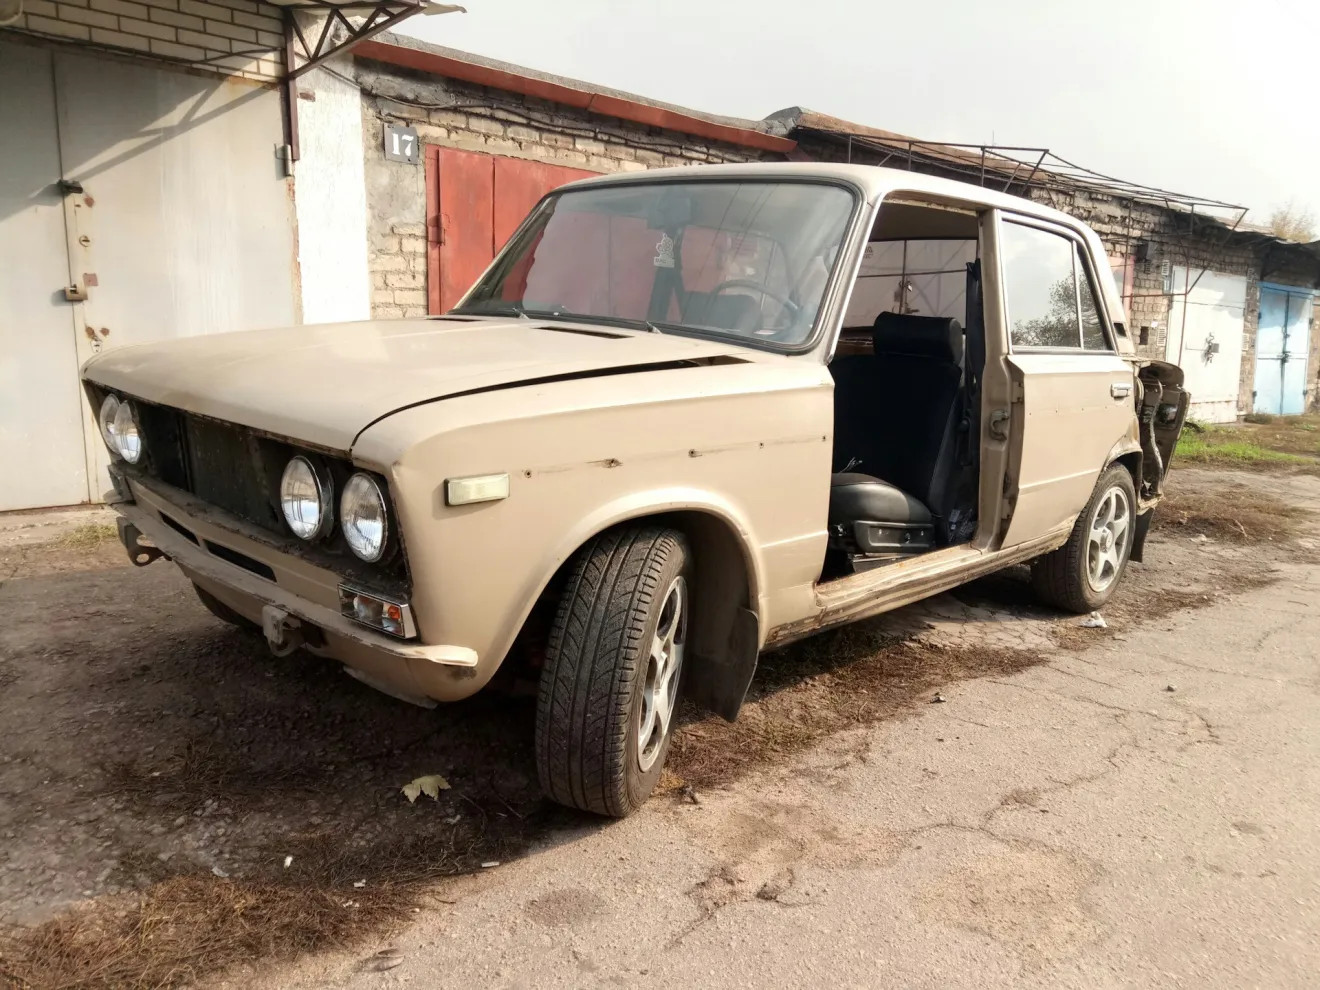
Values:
[(684, 417)]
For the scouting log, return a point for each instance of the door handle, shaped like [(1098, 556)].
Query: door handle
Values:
[(1120, 390)]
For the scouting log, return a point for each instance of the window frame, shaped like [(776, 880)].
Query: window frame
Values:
[(1079, 254), (833, 294)]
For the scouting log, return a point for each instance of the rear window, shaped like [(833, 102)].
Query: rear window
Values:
[(926, 277)]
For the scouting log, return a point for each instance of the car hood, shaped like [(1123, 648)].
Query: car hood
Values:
[(324, 384)]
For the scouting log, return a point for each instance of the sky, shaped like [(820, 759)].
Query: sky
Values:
[(1213, 98)]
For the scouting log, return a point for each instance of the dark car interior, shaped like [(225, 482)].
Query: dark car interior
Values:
[(906, 393)]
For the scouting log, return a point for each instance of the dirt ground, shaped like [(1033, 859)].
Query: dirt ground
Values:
[(175, 803)]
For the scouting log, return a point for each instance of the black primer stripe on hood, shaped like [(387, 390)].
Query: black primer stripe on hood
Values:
[(568, 376)]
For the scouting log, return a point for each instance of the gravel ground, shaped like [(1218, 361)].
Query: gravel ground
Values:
[(147, 743)]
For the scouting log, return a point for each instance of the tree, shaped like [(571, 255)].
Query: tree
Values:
[(1293, 223), (1057, 327)]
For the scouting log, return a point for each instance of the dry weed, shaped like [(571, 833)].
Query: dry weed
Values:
[(1236, 515)]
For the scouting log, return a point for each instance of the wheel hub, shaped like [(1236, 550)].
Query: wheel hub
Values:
[(663, 664), (1107, 543)]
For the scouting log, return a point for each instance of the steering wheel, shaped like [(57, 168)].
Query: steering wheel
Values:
[(789, 305)]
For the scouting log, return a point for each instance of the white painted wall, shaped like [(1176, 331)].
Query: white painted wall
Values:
[(331, 201), (1213, 313)]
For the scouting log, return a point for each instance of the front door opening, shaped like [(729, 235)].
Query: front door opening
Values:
[(906, 392)]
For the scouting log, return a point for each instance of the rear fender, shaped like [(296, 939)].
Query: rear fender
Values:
[(1163, 411)]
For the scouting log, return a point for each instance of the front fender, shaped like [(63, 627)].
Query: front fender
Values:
[(638, 505), (490, 620), (582, 459)]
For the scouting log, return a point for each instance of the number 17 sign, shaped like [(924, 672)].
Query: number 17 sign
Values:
[(401, 144)]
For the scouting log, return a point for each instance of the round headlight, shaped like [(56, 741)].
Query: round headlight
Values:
[(305, 499), (363, 517), (128, 440), (106, 420)]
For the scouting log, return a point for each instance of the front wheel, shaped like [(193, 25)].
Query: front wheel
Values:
[(1083, 573), (609, 688)]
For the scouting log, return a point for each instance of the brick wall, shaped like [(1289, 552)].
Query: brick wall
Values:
[(233, 37), (474, 118)]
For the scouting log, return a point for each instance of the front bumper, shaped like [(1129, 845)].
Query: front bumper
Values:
[(291, 585)]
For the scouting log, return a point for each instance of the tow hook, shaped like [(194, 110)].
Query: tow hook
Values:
[(284, 632), (141, 554)]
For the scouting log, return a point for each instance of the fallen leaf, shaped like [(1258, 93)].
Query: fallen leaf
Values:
[(431, 786), (386, 959)]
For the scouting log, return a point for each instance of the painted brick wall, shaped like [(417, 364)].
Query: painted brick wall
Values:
[(233, 37), (475, 118)]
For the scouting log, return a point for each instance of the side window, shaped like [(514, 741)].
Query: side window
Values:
[(1093, 331), (1040, 287)]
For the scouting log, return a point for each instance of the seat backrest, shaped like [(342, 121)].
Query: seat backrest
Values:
[(898, 411)]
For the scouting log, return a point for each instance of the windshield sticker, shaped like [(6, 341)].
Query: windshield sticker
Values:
[(664, 252)]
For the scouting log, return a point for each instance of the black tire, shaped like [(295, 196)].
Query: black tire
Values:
[(222, 611), (598, 680), (1063, 578)]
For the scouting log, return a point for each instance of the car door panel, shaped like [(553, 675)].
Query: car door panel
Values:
[(1073, 403), (1074, 409)]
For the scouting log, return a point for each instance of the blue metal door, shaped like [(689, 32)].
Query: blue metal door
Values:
[(1283, 334)]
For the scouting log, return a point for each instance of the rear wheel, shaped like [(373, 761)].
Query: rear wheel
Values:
[(1083, 573), (609, 687)]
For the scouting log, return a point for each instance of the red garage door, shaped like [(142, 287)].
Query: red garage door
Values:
[(474, 202)]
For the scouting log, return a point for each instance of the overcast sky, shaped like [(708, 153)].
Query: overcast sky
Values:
[(1216, 98)]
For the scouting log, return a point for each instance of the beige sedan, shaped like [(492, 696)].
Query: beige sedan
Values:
[(685, 416)]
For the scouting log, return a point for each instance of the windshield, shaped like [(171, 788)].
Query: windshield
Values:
[(748, 259)]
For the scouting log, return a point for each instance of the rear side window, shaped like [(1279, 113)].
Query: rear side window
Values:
[(1040, 286), (1093, 331), (1051, 302)]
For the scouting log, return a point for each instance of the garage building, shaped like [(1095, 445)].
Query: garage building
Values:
[(174, 178)]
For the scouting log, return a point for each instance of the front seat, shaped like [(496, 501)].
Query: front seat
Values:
[(870, 516), (917, 408), (898, 420)]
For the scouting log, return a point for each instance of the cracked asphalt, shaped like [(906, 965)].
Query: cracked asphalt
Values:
[(1142, 813)]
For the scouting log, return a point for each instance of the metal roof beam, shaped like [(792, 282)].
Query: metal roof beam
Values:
[(343, 26)]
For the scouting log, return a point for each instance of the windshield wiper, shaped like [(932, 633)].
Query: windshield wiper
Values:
[(617, 321), (506, 309)]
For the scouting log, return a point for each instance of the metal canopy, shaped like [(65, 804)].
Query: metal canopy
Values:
[(1014, 168), (316, 30)]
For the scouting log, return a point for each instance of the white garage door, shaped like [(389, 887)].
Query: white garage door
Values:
[(174, 216), (1205, 338), (41, 413)]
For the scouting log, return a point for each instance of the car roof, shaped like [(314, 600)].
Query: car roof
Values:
[(874, 182)]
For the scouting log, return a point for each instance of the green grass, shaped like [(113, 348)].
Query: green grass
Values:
[(1211, 445)]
